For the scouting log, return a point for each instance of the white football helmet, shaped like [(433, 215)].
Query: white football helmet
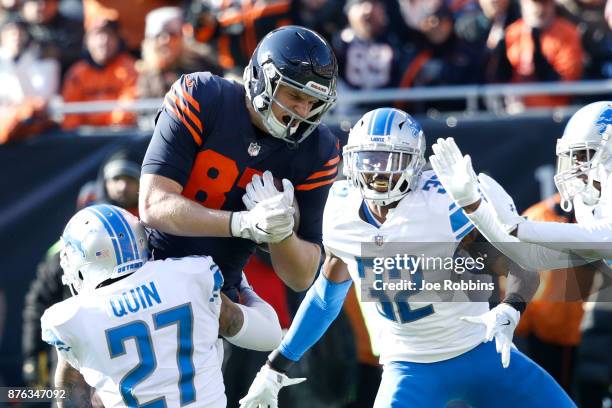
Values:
[(99, 243), (584, 155), (385, 155)]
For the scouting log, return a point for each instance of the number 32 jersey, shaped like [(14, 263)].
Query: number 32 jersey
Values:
[(150, 336), (405, 329)]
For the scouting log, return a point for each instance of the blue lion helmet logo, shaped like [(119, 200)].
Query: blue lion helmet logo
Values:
[(605, 119), (415, 128)]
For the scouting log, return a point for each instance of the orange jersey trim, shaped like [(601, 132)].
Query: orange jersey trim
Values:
[(332, 161), (307, 187), (182, 93), (184, 108), (323, 173), (179, 115)]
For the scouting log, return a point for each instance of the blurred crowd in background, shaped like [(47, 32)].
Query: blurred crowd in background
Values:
[(88, 50), (100, 50)]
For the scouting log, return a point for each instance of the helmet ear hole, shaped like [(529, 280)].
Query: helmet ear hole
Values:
[(80, 275)]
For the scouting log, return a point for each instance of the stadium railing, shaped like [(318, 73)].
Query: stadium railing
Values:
[(478, 98)]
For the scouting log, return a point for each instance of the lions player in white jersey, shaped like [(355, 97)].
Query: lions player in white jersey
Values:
[(584, 180), (144, 333), (430, 356)]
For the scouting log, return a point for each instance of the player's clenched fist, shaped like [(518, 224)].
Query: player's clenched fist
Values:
[(270, 215), (269, 221)]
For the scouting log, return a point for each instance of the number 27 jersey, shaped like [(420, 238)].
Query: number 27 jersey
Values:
[(406, 329), (148, 337)]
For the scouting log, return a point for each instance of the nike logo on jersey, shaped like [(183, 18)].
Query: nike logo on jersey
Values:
[(506, 324)]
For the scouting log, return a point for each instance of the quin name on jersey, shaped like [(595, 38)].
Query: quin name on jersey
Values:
[(168, 308), (408, 326)]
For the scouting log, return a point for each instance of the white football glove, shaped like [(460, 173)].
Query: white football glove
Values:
[(263, 392), (501, 202), (455, 172), (500, 323), (269, 221), (262, 188)]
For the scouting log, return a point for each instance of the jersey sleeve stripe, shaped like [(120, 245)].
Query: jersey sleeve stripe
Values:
[(332, 161), (183, 107), (312, 186), (194, 134), (466, 231), (458, 219), (323, 173), (184, 94)]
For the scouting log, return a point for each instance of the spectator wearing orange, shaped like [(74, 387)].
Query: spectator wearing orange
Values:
[(239, 25), (129, 14), (552, 319), (484, 30), (28, 81), (542, 46), (106, 73), (440, 58)]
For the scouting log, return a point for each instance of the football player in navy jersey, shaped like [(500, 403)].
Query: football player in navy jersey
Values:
[(214, 136)]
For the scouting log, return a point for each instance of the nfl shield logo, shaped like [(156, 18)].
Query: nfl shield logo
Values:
[(254, 149), (378, 240)]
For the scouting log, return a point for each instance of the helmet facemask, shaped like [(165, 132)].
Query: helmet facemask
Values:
[(579, 167), (384, 155), (72, 259), (262, 89), (384, 175)]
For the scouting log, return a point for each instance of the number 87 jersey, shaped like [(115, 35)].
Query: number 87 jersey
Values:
[(406, 328), (148, 339)]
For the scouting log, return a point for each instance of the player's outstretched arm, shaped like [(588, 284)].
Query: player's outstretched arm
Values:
[(592, 239), (253, 324), (161, 206), (456, 174), (319, 308), (78, 392)]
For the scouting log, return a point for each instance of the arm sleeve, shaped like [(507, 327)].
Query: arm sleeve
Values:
[(529, 256), (180, 127), (311, 193), (261, 329), (590, 240), (317, 311)]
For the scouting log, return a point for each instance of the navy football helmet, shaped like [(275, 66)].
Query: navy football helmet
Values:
[(298, 58)]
